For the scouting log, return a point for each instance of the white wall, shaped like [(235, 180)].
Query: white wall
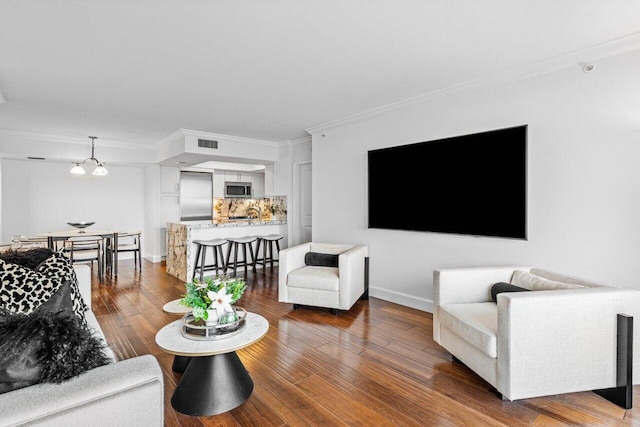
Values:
[(583, 180), (153, 227), (41, 196)]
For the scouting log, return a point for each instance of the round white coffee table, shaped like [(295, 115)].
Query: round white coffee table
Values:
[(174, 307), (215, 380)]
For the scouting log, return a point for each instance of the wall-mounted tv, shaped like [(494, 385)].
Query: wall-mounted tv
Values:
[(472, 184)]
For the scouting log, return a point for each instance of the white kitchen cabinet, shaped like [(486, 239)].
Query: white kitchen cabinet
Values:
[(258, 186), (268, 180), (232, 176), (170, 180), (169, 201), (170, 208), (218, 184)]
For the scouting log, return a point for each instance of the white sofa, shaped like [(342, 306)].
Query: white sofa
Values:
[(532, 344), (129, 392), (330, 287)]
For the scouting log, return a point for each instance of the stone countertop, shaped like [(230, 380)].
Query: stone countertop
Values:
[(208, 224), (180, 259)]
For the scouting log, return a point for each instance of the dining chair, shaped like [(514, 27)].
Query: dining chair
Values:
[(128, 241), (86, 249)]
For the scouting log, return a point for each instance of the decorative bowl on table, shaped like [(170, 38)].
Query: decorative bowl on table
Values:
[(200, 330), (81, 225)]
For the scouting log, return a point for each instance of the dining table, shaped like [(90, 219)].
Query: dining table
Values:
[(105, 234)]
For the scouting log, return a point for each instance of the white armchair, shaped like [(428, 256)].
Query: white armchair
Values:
[(337, 288)]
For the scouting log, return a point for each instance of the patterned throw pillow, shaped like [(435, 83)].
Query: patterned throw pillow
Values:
[(60, 267), (23, 290)]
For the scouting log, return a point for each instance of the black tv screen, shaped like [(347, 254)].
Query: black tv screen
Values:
[(473, 184)]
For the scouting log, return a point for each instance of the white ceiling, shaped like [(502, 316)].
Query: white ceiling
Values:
[(135, 71)]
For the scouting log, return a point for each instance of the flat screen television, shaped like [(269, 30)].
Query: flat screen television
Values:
[(472, 184)]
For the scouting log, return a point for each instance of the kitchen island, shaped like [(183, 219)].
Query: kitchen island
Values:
[(181, 250)]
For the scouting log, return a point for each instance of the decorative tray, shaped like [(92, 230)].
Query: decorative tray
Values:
[(200, 331)]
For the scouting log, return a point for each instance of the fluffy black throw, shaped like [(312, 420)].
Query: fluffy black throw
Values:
[(30, 258), (45, 347)]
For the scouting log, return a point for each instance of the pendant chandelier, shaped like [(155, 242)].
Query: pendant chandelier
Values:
[(100, 170)]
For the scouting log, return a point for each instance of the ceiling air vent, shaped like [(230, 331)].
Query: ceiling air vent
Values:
[(207, 143)]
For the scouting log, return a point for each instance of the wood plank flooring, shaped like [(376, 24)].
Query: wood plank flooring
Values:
[(375, 365)]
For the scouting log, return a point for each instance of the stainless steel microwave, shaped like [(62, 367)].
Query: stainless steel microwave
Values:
[(237, 189)]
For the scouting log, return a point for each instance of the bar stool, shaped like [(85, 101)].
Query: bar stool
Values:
[(234, 246), (201, 254), (267, 243)]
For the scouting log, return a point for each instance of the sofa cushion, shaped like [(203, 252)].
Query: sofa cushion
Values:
[(500, 287), (93, 326), (312, 277), (321, 260), (475, 323), (558, 277), (532, 282)]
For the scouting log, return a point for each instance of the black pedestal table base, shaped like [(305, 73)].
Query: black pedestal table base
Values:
[(212, 385), (180, 364)]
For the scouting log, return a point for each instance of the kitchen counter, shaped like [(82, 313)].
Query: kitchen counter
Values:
[(181, 250)]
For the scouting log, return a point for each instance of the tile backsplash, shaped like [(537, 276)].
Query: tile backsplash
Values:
[(273, 208)]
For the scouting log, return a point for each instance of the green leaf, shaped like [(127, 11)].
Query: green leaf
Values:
[(200, 313), (196, 294)]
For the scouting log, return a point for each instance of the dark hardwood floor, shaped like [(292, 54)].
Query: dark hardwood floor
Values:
[(374, 365)]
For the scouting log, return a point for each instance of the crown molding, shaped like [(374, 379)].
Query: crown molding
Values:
[(577, 58), (302, 140), (35, 136)]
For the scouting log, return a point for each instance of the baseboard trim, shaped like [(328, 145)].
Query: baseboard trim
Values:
[(153, 258), (402, 299)]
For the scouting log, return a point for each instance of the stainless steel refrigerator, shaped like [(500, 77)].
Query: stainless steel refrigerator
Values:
[(196, 196)]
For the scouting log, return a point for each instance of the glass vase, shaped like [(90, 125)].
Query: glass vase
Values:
[(212, 317)]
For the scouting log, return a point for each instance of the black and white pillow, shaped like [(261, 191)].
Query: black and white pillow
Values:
[(59, 266), (23, 290)]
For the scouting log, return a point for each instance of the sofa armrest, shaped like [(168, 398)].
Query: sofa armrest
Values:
[(561, 341), (130, 392), (289, 259), (351, 273)]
